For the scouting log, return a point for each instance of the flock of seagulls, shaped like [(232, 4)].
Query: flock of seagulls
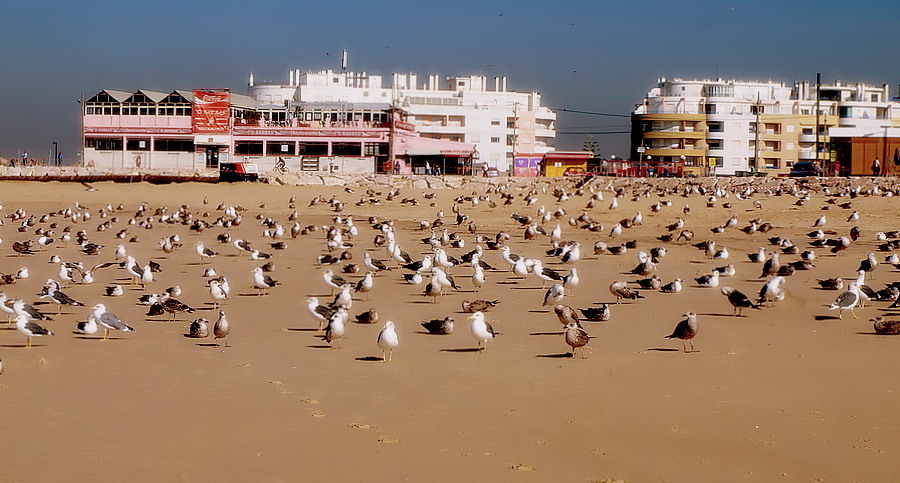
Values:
[(458, 257)]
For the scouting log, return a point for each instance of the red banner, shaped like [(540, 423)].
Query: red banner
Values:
[(211, 111)]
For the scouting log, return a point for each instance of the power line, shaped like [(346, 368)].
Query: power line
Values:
[(590, 113)]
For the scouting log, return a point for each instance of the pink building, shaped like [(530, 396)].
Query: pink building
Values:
[(179, 130)]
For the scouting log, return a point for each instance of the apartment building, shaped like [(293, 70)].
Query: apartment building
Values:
[(468, 109), (725, 127)]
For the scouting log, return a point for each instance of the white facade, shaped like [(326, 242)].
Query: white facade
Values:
[(731, 123), (499, 122)]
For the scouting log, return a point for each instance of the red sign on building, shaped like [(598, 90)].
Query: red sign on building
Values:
[(211, 111)]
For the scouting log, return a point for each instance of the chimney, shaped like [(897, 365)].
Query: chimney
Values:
[(504, 83), (292, 78), (251, 83), (496, 84)]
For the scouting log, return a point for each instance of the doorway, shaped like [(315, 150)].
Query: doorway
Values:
[(212, 157)]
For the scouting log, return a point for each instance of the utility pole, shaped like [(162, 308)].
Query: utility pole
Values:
[(818, 85), (756, 142)]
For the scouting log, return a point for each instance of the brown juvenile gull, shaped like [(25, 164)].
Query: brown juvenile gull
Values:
[(439, 326), (222, 329), (576, 337), (597, 314), (478, 305), (621, 291), (685, 330), (885, 327)]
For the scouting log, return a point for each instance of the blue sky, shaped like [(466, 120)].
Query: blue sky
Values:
[(583, 55)]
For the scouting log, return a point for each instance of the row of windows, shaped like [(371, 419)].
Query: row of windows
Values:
[(115, 144), (137, 111)]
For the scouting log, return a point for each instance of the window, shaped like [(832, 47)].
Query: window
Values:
[(345, 149), (104, 144), (757, 109), (710, 109), (248, 148), (495, 122), (716, 126), (180, 145), (313, 149), (495, 139), (845, 112), (807, 130), (138, 144), (714, 143), (280, 149), (718, 160), (375, 149)]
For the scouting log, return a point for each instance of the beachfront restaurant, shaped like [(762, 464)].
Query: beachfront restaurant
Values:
[(148, 129)]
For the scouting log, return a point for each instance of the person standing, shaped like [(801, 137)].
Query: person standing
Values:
[(25, 158), (876, 167), (427, 168)]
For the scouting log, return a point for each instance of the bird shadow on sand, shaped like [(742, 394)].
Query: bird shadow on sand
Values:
[(463, 349), (869, 333), (21, 346), (827, 317), (304, 329), (370, 359), (529, 288), (565, 355), (425, 332), (321, 346), (538, 311), (419, 302), (546, 333), (722, 315), (98, 338), (663, 349), (209, 344), (507, 283)]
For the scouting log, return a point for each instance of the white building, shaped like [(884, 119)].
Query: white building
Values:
[(732, 125), (501, 123)]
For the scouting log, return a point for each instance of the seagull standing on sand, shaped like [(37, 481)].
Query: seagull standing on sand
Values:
[(30, 329), (847, 301), (554, 294), (738, 300), (685, 330), (262, 282), (204, 252), (481, 330), (577, 338), (222, 329), (388, 341), (109, 321)]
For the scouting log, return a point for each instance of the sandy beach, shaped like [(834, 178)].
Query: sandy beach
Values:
[(789, 392)]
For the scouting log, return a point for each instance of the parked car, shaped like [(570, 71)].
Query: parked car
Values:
[(230, 172), (804, 168)]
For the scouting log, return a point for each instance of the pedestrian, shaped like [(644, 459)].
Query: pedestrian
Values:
[(396, 167), (25, 158), (427, 168), (876, 167)]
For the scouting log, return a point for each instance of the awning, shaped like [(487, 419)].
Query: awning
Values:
[(419, 146)]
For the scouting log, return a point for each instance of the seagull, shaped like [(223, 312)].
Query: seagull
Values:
[(366, 284), (373, 264), (221, 329), (30, 329), (439, 326), (846, 301), (554, 294), (685, 330), (868, 264), (481, 330), (109, 321), (412, 278), (597, 314), (334, 331), (262, 282), (545, 274), (757, 257), (217, 293), (566, 314), (576, 337), (674, 286), (368, 317), (332, 280), (819, 222), (711, 280), (772, 291), (87, 327), (320, 313), (621, 291), (204, 252), (51, 291), (388, 341), (738, 300), (199, 329)]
